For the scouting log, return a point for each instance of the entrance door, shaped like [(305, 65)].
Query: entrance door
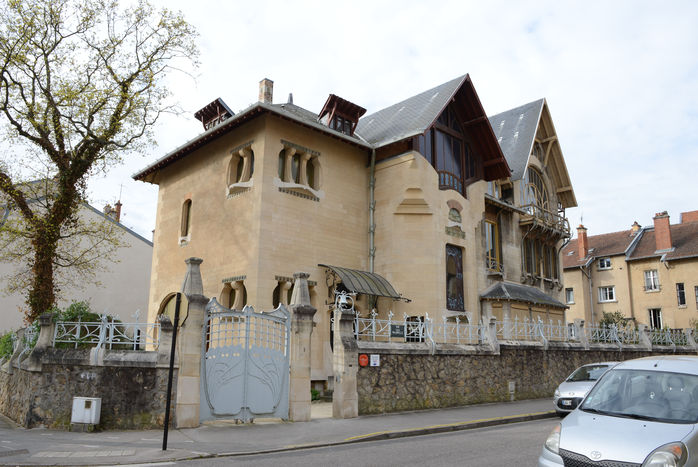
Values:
[(245, 363)]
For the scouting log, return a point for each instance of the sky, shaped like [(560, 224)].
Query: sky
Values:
[(620, 78)]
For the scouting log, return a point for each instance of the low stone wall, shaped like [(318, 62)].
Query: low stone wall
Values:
[(131, 384), (410, 377)]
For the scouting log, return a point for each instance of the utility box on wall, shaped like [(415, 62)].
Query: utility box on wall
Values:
[(86, 410)]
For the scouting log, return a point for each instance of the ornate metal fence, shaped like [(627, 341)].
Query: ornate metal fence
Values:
[(416, 329), (107, 333)]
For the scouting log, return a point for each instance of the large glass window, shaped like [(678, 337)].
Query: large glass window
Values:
[(446, 148), (680, 294), (607, 294), (454, 278), (536, 193), (651, 280), (655, 318), (492, 254)]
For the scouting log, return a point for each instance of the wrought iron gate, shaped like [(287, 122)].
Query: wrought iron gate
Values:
[(245, 363)]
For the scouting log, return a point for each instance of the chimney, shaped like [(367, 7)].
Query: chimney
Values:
[(266, 91), (582, 242), (662, 233), (690, 216), (117, 212), (635, 228)]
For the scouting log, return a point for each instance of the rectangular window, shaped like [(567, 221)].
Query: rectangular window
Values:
[(655, 318), (680, 294), (492, 254), (604, 263), (651, 280), (569, 295), (454, 278), (607, 294)]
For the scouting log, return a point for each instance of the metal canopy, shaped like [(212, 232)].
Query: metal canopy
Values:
[(364, 282)]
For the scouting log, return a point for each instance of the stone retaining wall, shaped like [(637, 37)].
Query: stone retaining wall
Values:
[(132, 386), (410, 377)]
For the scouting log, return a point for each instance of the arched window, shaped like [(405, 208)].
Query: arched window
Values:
[(241, 166), (536, 193), (234, 295), (454, 278), (185, 229)]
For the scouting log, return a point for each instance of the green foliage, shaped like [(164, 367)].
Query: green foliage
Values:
[(615, 317), (693, 322), (6, 345), (82, 84), (76, 311), (314, 394)]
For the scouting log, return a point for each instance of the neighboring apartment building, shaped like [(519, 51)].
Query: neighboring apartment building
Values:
[(648, 274), (120, 289), (416, 198)]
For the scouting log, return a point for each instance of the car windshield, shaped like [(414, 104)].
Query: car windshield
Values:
[(587, 373), (647, 395)]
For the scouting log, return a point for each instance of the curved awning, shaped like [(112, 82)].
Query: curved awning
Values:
[(364, 282)]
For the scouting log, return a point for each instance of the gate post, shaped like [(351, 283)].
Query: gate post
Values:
[(189, 344), (301, 329), (345, 397)]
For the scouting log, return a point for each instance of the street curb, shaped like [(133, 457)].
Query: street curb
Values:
[(383, 435)]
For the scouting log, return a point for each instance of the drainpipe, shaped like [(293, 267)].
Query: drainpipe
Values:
[(591, 293), (372, 212)]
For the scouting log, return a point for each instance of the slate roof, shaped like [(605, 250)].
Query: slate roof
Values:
[(408, 118), (515, 130), (610, 244), (511, 291), (684, 239)]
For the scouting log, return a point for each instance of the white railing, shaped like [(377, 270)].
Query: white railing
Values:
[(389, 330), (108, 334), (456, 332), (670, 337), (612, 335)]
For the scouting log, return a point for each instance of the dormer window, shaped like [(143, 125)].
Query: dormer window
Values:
[(341, 115), (214, 113)]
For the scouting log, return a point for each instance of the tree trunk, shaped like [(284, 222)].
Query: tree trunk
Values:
[(41, 295)]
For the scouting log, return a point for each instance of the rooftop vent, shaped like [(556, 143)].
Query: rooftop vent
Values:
[(214, 113)]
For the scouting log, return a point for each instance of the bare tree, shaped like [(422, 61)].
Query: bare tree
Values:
[(81, 85)]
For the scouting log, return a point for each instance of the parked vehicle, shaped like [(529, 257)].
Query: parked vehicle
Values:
[(572, 390), (642, 412)]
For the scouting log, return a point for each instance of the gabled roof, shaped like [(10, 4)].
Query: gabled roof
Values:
[(517, 129), (417, 114), (684, 240), (510, 291), (411, 117), (600, 246)]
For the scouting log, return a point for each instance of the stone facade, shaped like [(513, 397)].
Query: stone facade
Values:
[(414, 379), (132, 387)]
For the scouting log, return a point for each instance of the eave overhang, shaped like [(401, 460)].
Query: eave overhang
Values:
[(149, 173)]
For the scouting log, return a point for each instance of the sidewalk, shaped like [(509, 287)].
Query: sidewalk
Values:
[(19, 446)]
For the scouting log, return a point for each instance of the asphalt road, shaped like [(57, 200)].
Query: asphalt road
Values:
[(514, 445)]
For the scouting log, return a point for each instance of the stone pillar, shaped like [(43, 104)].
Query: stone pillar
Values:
[(345, 397), (45, 340), (691, 338), (580, 333), (189, 347), (302, 313), (166, 332), (644, 337)]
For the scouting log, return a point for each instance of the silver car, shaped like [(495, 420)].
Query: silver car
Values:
[(642, 412), (571, 391)]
